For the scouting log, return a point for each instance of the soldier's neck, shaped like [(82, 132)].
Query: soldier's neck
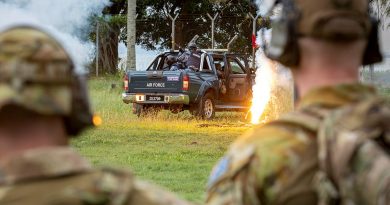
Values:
[(17, 137), (313, 79), (326, 64)]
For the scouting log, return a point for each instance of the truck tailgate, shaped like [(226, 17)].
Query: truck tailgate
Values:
[(155, 82)]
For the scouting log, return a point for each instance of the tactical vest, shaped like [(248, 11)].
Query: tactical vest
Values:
[(353, 151)]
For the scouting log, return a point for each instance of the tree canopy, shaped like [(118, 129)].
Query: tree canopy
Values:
[(154, 25)]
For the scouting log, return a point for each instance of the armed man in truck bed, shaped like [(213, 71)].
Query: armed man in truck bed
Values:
[(43, 102), (334, 149)]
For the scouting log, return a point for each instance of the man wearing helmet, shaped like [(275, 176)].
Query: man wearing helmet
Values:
[(191, 58), (193, 61), (169, 62), (42, 103), (324, 43)]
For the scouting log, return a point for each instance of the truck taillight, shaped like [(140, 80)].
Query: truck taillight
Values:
[(126, 83), (186, 82)]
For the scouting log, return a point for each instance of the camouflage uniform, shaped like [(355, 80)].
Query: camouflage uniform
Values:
[(278, 164), (54, 176), (38, 75), (302, 157)]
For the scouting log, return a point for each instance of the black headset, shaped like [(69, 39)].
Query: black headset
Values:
[(284, 48)]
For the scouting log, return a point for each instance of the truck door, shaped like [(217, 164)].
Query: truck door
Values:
[(238, 85)]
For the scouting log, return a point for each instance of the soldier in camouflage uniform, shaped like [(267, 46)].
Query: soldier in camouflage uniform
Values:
[(287, 161), (42, 102)]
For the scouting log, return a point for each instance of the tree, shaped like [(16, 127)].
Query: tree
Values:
[(381, 9), (154, 31), (154, 26), (131, 32), (111, 25)]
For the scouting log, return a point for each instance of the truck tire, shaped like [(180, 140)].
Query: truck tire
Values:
[(206, 108)]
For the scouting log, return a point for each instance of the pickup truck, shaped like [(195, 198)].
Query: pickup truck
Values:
[(222, 83)]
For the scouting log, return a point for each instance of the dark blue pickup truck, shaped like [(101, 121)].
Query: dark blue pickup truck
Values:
[(222, 83)]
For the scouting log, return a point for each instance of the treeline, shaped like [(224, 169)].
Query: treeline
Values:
[(154, 25)]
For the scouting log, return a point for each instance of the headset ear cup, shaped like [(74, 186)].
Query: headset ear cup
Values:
[(284, 42), (81, 115), (283, 46), (290, 57), (372, 53)]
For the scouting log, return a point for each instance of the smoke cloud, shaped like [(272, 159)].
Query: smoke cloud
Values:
[(67, 20)]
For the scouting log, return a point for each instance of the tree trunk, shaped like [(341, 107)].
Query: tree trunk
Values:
[(131, 35), (183, 26), (108, 49)]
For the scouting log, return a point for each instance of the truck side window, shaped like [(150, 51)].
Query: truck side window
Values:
[(236, 67), (206, 65), (155, 64)]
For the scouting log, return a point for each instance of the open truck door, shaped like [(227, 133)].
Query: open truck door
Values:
[(239, 83)]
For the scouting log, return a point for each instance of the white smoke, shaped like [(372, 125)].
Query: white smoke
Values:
[(67, 20), (264, 6)]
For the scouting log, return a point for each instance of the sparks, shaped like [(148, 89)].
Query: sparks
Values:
[(262, 88)]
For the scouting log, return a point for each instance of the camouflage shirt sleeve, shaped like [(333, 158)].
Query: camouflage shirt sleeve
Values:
[(125, 189), (148, 194), (258, 167)]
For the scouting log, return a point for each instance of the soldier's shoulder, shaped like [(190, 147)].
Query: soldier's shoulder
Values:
[(286, 130), (107, 184), (267, 143), (115, 179)]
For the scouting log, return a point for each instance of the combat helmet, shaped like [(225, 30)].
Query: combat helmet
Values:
[(328, 20), (192, 46), (37, 73)]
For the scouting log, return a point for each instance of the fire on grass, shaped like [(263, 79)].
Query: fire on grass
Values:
[(262, 89), (272, 92)]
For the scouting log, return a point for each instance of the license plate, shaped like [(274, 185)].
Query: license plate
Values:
[(155, 98)]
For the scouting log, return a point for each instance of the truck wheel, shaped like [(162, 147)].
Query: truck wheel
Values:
[(206, 108)]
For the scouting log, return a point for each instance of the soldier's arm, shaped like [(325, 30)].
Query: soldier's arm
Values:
[(256, 168), (122, 187), (148, 194), (238, 189)]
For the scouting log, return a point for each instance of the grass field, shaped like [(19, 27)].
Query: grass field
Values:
[(175, 151)]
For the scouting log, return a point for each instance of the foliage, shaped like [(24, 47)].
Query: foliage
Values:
[(110, 26), (381, 9), (154, 27)]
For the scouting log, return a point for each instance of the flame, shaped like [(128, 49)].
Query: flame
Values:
[(262, 88), (97, 120)]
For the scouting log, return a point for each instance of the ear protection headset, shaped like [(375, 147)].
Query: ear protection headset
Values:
[(284, 48)]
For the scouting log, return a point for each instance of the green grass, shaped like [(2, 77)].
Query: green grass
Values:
[(174, 151)]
